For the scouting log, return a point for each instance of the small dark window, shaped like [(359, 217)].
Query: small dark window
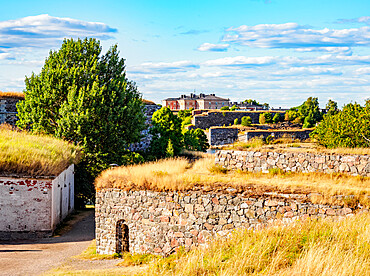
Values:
[(122, 237)]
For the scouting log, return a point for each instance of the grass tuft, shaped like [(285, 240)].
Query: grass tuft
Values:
[(180, 175), (311, 247), (22, 153)]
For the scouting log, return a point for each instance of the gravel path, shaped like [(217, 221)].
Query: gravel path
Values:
[(37, 257)]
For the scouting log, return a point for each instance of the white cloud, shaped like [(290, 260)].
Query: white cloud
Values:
[(302, 71), (241, 61), (292, 35), (363, 71), (363, 19), (164, 67), (213, 47), (333, 50), (44, 31)]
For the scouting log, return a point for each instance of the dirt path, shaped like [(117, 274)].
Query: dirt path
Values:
[(35, 258)]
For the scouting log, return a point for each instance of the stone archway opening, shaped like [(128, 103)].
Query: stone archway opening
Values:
[(122, 237)]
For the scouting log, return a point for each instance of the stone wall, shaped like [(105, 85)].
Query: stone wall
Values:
[(256, 161), (222, 136), (32, 207), (8, 110), (225, 118), (161, 222), (144, 144), (294, 134)]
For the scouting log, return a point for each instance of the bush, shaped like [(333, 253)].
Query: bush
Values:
[(196, 139), (347, 128), (265, 118), (225, 108), (233, 108), (236, 121), (246, 121), (277, 118)]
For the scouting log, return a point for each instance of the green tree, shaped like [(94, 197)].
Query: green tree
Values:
[(310, 108), (265, 118), (252, 102), (332, 108), (246, 121), (166, 126), (233, 108), (225, 108), (195, 139), (169, 150), (347, 128), (277, 118), (236, 121), (84, 96)]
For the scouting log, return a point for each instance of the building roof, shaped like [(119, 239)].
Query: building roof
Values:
[(197, 97)]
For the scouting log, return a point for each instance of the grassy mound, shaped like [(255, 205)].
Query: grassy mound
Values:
[(322, 247), (180, 175), (33, 155)]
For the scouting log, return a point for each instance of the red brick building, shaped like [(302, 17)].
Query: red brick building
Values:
[(201, 101)]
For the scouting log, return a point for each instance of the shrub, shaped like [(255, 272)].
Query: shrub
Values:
[(277, 118), (233, 108), (348, 128), (236, 121), (246, 121), (265, 118), (196, 139), (225, 108)]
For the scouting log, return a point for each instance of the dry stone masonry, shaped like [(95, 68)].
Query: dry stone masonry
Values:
[(161, 222), (222, 136), (257, 161), (226, 118), (8, 110), (145, 141)]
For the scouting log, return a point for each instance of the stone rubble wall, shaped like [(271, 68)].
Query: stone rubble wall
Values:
[(222, 136), (226, 118), (300, 134), (256, 161), (8, 110), (145, 141), (161, 222)]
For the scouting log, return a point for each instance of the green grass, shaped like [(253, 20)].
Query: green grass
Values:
[(34, 155), (320, 247)]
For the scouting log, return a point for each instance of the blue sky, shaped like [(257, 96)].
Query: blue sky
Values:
[(275, 51)]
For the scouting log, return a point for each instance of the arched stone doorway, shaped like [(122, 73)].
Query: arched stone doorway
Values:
[(122, 237)]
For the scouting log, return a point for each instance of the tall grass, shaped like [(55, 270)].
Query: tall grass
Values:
[(321, 247), (179, 174), (18, 95), (25, 154)]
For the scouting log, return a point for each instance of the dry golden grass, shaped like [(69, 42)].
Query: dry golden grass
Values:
[(179, 175), (323, 247), (22, 153), (18, 95)]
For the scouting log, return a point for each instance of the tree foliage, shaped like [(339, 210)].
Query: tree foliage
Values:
[(265, 118), (277, 118), (166, 126), (307, 113), (347, 128), (246, 121), (225, 108), (84, 97), (196, 140), (332, 107)]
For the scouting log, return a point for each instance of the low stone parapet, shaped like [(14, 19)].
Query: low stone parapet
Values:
[(162, 222), (260, 161)]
